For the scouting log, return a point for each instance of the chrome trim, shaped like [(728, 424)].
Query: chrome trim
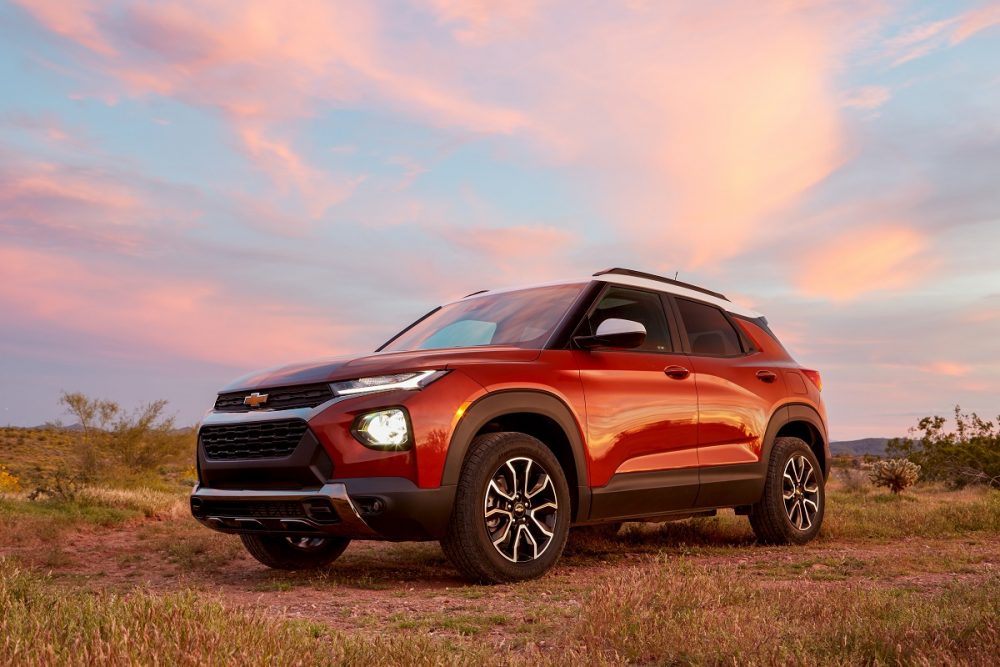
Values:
[(351, 524), (223, 418)]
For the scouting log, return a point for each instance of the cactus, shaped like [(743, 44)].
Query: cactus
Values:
[(896, 474)]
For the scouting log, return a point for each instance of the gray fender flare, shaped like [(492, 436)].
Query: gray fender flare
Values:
[(793, 412), (500, 403)]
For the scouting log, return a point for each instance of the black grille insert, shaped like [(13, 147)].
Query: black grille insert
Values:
[(281, 398), (252, 440)]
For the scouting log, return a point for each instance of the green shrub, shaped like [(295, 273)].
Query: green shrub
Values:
[(968, 455)]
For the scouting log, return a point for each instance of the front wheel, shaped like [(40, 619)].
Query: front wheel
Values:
[(294, 553), (791, 510), (512, 510)]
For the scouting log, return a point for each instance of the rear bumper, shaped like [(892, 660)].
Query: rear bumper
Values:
[(387, 508)]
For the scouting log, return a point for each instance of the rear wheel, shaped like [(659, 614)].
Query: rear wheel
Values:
[(512, 510), (294, 553), (791, 510)]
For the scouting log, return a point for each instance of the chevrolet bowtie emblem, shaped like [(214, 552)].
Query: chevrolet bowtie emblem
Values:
[(255, 400)]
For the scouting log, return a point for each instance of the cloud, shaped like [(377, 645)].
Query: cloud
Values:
[(266, 65), (695, 122), (868, 97), (703, 120), (73, 19), (976, 21), (480, 21), (925, 38), (319, 189), (948, 368), (863, 261), (137, 312)]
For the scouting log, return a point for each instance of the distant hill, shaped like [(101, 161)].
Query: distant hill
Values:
[(860, 447)]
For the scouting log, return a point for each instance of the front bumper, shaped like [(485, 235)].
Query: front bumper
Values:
[(380, 508), (327, 510)]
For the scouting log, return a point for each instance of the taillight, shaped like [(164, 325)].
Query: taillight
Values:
[(815, 377)]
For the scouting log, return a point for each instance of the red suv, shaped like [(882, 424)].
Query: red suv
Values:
[(498, 423)]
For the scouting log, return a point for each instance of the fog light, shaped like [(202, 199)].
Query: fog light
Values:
[(384, 429)]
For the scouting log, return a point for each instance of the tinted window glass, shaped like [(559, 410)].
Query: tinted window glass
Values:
[(708, 330), (637, 306), (522, 318)]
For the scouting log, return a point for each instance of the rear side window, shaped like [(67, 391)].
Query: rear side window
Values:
[(637, 306), (708, 330)]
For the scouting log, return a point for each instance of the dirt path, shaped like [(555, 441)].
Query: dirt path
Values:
[(412, 585)]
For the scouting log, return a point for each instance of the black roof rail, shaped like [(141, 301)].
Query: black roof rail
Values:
[(652, 276), (482, 291)]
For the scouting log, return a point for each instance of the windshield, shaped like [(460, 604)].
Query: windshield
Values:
[(522, 318)]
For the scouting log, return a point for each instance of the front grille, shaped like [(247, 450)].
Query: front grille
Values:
[(255, 440), (317, 510), (281, 398)]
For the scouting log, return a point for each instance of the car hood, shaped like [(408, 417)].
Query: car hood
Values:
[(380, 363)]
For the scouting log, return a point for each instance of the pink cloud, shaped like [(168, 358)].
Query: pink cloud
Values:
[(976, 21), (867, 97), (948, 368), (926, 38), (479, 21), (863, 261), (73, 19), (515, 255), (319, 190), (265, 64), (693, 125), (702, 127), (140, 313)]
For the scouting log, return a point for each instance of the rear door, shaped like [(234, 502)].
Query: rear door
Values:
[(737, 390), (641, 422)]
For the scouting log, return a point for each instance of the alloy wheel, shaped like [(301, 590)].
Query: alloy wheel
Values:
[(306, 543), (520, 509), (800, 492)]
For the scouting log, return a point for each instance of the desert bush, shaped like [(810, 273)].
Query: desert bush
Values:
[(110, 440), (8, 482), (852, 479), (895, 474), (969, 454)]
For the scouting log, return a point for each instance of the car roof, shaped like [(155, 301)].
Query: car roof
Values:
[(655, 284)]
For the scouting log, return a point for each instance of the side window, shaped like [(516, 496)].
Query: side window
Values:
[(708, 330), (638, 306)]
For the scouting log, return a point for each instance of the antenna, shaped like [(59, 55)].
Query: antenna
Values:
[(676, 273)]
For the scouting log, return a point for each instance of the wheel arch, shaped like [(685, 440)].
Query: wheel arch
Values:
[(534, 412), (802, 421)]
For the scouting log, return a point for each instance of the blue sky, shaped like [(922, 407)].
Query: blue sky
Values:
[(192, 190)]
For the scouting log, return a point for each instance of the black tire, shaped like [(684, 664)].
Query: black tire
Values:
[(468, 543), (775, 519), (294, 553)]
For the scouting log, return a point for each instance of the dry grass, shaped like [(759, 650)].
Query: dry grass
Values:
[(43, 625), (908, 579), (681, 612)]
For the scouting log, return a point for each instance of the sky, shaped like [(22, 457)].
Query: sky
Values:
[(192, 190)]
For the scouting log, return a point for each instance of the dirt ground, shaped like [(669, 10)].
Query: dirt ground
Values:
[(412, 585)]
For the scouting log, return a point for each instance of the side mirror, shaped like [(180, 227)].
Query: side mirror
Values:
[(614, 332)]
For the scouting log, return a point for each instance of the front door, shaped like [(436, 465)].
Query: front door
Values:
[(642, 410)]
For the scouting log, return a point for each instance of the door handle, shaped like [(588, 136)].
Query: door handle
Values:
[(676, 372), (766, 376)]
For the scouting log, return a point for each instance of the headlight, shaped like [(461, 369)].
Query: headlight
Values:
[(368, 385), (383, 429)]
